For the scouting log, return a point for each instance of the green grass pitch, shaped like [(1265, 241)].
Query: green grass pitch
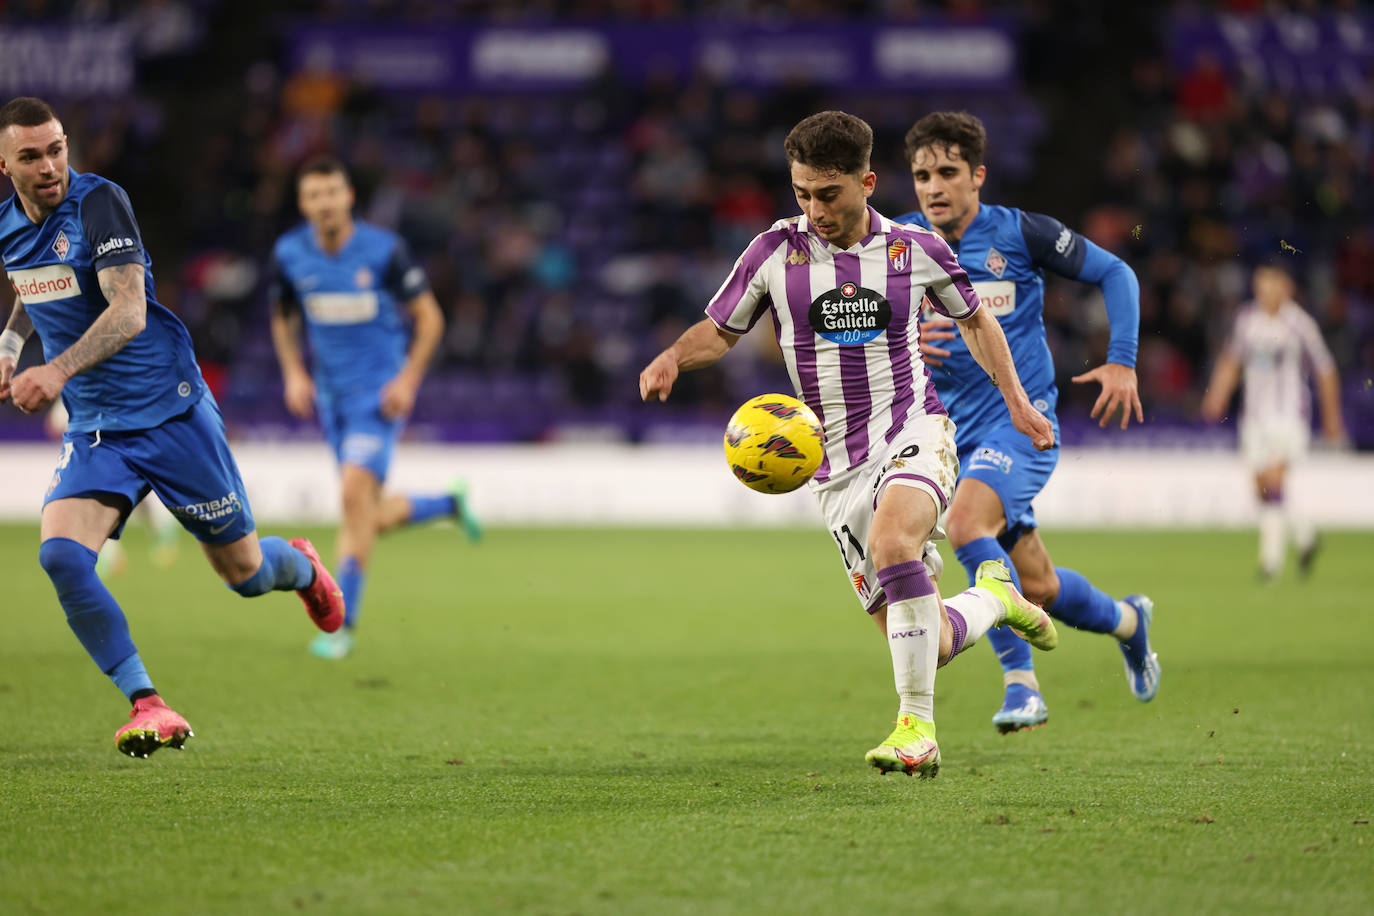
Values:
[(674, 722)]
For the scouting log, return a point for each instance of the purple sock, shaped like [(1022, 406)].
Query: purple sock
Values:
[(903, 581), (960, 628)]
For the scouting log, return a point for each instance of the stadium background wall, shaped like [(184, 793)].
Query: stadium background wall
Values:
[(660, 485)]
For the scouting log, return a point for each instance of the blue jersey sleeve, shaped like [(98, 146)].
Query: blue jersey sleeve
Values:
[(280, 290), (107, 219), (1056, 247), (405, 278)]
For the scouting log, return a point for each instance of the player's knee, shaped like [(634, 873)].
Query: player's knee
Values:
[(890, 545), (65, 560), (962, 527)]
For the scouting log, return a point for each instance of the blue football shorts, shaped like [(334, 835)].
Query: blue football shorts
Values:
[(358, 433), (185, 461), (1007, 461)]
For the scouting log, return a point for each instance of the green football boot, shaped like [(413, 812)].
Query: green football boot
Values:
[(1029, 620), (910, 748)]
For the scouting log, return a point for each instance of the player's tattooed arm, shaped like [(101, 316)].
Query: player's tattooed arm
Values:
[(122, 321)]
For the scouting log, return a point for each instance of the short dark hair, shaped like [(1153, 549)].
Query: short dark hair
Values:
[(946, 129), (831, 140), (26, 111), (323, 164)]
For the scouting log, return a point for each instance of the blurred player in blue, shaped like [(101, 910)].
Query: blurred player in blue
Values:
[(1005, 252), (353, 283), (140, 416)]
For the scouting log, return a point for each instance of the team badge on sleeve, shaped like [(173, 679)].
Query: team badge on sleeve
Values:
[(995, 263), (899, 254), (60, 245)]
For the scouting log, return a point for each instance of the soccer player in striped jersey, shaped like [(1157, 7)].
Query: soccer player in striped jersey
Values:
[(1006, 252), (1275, 347), (140, 416), (843, 286), (352, 284)]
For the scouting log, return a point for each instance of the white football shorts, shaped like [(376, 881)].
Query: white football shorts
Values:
[(1268, 444), (921, 456)]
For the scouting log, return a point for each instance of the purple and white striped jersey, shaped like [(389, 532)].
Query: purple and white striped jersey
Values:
[(848, 324), (1271, 348)]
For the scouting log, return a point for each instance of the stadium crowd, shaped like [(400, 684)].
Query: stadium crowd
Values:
[(570, 235)]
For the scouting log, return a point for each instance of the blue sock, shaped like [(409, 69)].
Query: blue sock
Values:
[(1012, 651), (92, 612), (424, 508), (1083, 605), (284, 568), (130, 676), (352, 577)]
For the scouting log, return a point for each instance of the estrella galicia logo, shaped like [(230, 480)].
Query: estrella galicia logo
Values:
[(850, 315)]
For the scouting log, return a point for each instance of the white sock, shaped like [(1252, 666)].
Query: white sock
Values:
[(980, 611), (1301, 529), (1271, 538), (913, 635)]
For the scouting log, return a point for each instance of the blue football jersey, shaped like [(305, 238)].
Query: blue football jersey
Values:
[(53, 265), (352, 303), (1004, 250)]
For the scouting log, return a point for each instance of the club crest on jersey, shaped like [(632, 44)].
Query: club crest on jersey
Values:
[(899, 255), (851, 315), (60, 245), (363, 278), (995, 263)]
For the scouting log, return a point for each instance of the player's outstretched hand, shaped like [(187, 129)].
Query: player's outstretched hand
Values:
[(398, 396), (299, 394), (1033, 424), (656, 381), (932, 330), (1118, 391), (6, 373), (35, 389)]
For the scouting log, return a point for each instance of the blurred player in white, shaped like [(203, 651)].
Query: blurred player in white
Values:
[(1275, 348), (843, 286)]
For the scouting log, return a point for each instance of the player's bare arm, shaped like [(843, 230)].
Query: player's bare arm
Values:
[(700, 345), (988, 345), (298, 389), (1119, 390), (123, 319), (398, 395), (17, 331), (1329, 393), (1225, 378)]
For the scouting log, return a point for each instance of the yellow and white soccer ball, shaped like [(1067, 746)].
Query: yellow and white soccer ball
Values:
[(774, 443)]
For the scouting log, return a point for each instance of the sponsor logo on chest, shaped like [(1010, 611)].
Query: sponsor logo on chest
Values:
[(45, 284), (998, 296), (850, 315)]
